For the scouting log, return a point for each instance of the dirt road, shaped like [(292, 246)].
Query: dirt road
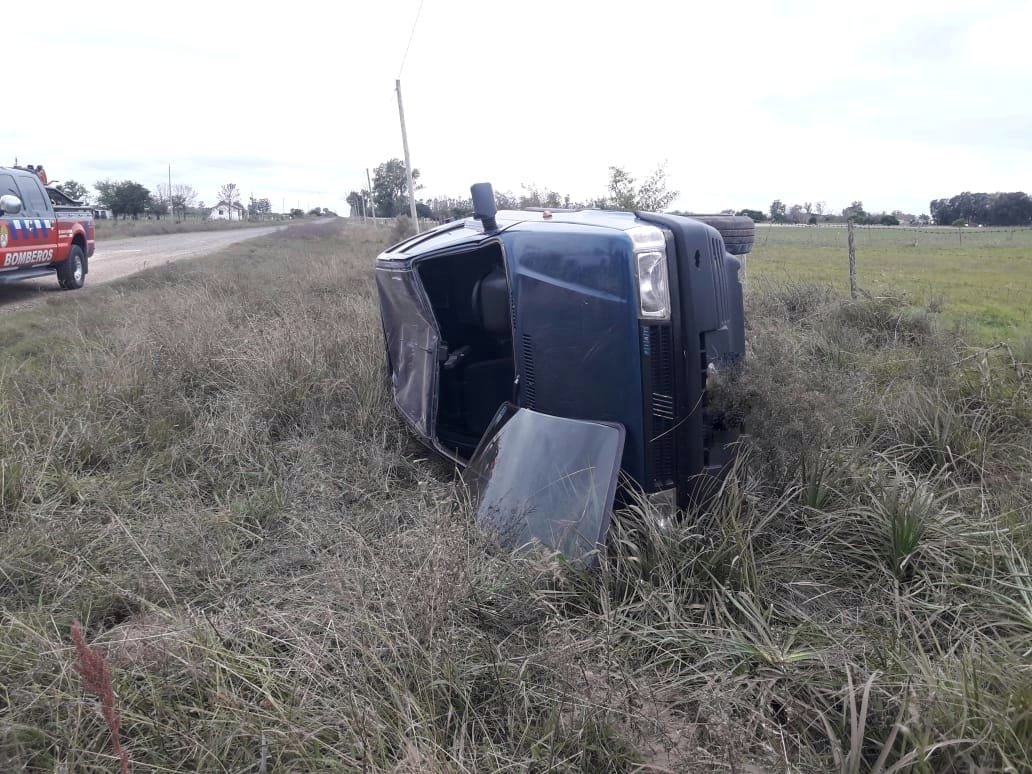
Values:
[(119, 257)]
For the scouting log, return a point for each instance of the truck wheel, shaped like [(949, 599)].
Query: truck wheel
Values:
[(71, 273), (738, 232)]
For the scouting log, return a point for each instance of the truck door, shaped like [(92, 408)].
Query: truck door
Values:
[(7, 187), (27, 238)]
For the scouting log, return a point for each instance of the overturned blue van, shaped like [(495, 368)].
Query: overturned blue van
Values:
[(546, 351)]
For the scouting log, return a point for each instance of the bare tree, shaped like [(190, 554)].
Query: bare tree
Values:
[(820, 206), (183, 198), (161, 195), (229, 193)]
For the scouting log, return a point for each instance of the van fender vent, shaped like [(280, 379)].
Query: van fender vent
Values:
[(527, 371), (719, 280)]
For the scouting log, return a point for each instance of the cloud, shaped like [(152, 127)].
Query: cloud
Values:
[(250, 163), (894, 103)]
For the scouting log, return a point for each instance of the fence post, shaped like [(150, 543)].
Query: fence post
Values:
[(852, 261)]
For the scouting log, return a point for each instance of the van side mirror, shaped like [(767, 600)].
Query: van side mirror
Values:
[(484, 207), (10, 204)]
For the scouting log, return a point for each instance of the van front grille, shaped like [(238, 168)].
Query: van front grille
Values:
[(661, 365)]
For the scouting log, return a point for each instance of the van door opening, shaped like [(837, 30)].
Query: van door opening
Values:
[(469, 295)]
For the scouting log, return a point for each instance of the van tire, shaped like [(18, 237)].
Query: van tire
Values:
[(71, 272), (737, 231)]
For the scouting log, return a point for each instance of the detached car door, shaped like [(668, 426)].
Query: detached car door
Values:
[(542, 479)]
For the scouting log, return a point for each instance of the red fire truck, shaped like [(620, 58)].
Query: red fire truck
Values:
[(42, 231)]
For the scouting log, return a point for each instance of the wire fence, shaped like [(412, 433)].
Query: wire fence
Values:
[(938, 230), (834, 235), (424, 223)]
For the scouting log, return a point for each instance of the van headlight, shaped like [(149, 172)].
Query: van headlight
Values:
[(653, 286), (653, 281)]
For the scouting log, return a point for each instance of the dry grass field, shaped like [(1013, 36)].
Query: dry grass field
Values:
[(202, 465)]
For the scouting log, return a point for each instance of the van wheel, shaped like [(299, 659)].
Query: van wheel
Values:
[(71, 272), (738, 232)]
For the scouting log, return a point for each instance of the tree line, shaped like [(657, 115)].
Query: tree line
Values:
[(815, 213), (130, 199), (974, 209), (983, 209), (390, 196)]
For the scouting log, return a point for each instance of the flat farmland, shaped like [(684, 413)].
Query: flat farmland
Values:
[(980, 280), (202, 466)]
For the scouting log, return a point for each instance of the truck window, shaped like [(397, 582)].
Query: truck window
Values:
[(7, 186), (34, 199)]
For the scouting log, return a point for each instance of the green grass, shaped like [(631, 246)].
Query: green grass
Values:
[(980, 278), (203, 465), (121, 229)]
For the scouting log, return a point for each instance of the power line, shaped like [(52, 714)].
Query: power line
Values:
[(412, 34)]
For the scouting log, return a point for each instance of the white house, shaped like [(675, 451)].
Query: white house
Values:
[(227, 211)]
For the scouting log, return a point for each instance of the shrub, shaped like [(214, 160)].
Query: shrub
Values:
[(756, 215), (402, 228)]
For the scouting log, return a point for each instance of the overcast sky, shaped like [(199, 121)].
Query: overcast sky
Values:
[(892, 103)]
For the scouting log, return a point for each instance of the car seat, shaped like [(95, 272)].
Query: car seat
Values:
[(489, 383)]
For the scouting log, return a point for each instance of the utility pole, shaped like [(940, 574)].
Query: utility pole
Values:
[(170, 207), (372, 204), (408, 162)]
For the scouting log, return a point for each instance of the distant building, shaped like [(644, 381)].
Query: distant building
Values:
[(227, 211)]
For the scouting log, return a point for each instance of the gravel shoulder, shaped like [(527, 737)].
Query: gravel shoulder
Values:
[(119, 258)]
